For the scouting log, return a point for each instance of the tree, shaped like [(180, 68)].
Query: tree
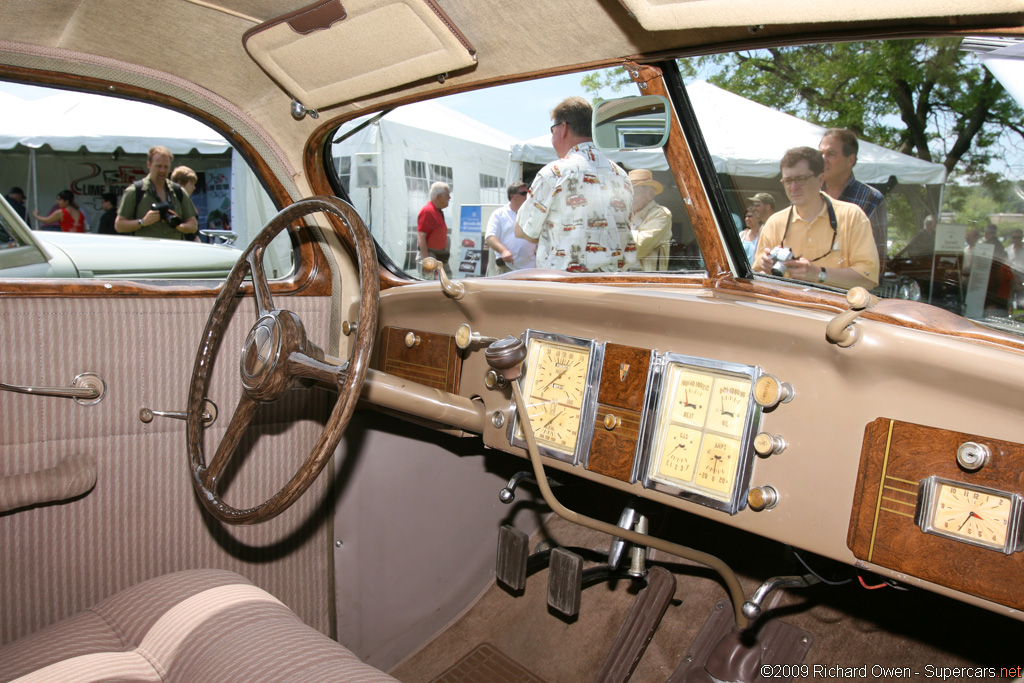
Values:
[(926, 98)]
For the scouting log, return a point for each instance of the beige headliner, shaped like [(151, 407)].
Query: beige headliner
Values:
[(194, 48)]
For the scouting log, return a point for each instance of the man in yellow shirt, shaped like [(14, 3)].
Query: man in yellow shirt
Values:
[(831, 240)]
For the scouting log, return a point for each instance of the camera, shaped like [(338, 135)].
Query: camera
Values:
[(165, 214), (779, 256)]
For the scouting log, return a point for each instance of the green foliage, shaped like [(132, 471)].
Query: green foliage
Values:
[(926, 98)]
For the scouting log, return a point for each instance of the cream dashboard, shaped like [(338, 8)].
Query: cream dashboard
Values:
[(734, 409)]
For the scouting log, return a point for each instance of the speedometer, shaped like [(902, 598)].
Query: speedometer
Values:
[(558, 383)]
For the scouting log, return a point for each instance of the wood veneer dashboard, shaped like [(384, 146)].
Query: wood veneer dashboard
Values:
[(944, 384)]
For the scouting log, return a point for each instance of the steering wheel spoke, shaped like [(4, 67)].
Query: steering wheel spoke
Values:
[(242, 418), (276, 353), (301, 365), (260, 285)]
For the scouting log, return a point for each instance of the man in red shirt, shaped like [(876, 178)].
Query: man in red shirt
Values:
[(431, 231)]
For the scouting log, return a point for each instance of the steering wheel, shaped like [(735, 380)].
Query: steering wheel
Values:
[(275, 355)]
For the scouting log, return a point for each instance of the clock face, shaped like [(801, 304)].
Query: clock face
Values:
[(972, 514)]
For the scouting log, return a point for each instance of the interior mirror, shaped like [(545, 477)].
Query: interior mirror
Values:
[(639, 122)]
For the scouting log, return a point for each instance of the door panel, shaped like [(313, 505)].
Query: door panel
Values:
[(142, 518)]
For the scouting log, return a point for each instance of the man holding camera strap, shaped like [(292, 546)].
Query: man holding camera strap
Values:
[(155, 206), (817, 239)]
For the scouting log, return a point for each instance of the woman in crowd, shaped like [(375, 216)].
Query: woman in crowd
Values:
[(750, 236), (67, 214)]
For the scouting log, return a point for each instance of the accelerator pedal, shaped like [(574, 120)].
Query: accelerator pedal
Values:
[(638, 628)]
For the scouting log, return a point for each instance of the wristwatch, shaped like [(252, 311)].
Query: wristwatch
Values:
[(822, 276), (140, 222)]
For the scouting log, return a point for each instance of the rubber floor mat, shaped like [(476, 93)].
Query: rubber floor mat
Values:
[(487, 664)]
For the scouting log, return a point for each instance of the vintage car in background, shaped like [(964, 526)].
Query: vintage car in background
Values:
[(26, 253), (356, 468)]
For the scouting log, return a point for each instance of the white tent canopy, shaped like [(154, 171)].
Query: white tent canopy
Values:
[(69, 121), (423, 138), (748, 139), (94, 143)]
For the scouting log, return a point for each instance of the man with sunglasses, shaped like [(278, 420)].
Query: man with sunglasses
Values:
[(831, 240), (510, 252)]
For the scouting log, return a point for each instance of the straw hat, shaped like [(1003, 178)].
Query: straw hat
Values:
[(641, 176)]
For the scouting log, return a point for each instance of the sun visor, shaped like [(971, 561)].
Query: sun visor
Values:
[(670, 15), (332, 52)]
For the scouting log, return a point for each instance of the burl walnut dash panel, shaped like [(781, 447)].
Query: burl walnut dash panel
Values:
[(896, 456), (623, 382), (433, 360)]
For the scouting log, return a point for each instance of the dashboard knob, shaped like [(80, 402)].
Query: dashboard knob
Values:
[(411, 340), (611, 421), (766, 444), (507, 356), (762, 498), (466, 337), (770, 392)]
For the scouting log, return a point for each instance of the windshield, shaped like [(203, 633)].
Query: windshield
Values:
[(895, 165), (483, 155)]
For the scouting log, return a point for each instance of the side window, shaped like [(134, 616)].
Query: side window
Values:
[(921, 138), (72, 162), (488, 147)]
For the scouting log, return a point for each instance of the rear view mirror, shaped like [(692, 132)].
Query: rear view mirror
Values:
[(631, 123)]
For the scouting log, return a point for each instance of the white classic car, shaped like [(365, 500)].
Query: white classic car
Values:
[(26, 253)]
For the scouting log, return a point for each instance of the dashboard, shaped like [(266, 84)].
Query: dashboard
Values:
[(741, 411)]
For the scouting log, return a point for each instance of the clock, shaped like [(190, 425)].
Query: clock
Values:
[(977, 515)]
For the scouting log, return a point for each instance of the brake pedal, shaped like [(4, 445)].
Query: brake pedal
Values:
[(512, 556), (565, 582)]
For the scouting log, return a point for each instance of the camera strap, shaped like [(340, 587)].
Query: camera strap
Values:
[(175, 187), (833, 223)]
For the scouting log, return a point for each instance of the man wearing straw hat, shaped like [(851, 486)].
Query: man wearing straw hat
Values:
[(650, 222)]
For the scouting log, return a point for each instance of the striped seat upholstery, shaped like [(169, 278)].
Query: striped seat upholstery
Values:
[(197, 625)]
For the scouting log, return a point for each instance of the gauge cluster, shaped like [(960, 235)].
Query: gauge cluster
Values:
[(699, 420), (559, 384)]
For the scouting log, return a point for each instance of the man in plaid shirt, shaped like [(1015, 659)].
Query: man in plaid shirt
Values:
[(839, 147)]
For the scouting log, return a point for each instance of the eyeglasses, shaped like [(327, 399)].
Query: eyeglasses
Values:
[(556, 125), (523, 192), (797, 179)]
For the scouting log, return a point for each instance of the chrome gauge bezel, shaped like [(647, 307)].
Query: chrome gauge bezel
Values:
[(588, 409), (925, 514), (655, 428)]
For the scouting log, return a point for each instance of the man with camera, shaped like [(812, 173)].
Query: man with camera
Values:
[(817, 238), (154, 206)]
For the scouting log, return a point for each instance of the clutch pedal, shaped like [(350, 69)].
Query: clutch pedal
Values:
[(512, 557)]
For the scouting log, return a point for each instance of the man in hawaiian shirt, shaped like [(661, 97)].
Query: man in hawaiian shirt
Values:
[(578, 207)]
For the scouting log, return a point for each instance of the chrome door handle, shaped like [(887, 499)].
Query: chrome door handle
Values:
[(88, 389)]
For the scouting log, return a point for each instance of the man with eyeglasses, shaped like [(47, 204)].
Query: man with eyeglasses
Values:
[(839, 148), (510, 252), (831, 240), (577, 211)]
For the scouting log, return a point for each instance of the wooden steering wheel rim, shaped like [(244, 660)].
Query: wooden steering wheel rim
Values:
[(348, 378)]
